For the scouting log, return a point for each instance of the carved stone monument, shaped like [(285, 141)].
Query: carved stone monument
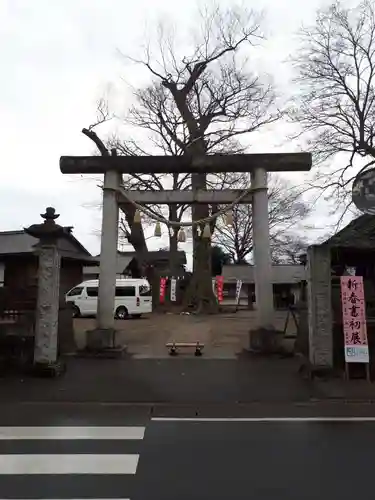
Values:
[(320, 307), (46, 330)]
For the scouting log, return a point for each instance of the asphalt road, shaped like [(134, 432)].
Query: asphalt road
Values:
[(109, 453), (257, 460)]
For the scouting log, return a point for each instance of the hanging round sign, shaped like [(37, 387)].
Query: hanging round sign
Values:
[(363, 191)]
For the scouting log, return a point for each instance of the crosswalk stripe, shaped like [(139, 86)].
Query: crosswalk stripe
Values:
[(97, 433), (68, 464), (52, 462)]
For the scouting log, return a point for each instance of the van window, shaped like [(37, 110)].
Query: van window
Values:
[(76, 291), (125, 291), (145, 291), (92, 291)]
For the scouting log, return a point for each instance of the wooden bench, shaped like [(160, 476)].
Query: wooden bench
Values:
[(175, 347)]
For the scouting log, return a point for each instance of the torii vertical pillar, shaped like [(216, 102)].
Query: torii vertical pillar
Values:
[(108, 252), (103, 336), (262, 254)]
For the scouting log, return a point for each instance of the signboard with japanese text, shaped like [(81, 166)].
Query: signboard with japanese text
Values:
[(354, 319), (173, 289)]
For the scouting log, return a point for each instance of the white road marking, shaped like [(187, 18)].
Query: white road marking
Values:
[(266, 419), (68, 464), (131, 433)]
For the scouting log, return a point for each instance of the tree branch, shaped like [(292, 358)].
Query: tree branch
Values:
[(335, 103)]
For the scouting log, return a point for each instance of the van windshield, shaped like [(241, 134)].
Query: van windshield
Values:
[(75, 291)]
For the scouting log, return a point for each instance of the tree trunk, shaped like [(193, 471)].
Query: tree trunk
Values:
[(136, 238), (199, 293), (174, 268), (174, 264)]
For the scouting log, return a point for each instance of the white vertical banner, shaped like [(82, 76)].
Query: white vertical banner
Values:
[(238, 291), (173, 289), (214, 286)]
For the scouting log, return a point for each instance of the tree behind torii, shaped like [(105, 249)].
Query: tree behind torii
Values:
[(201, 103), (287, 210)]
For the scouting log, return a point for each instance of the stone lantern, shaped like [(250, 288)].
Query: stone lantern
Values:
[(46, 330)]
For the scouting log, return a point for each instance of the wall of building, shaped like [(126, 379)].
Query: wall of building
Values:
[(71, 275), (248, 294), (22, 272)]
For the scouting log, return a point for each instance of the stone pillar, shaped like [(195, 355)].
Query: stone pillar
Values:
[(262, 252), (46, 330), (108, 253), (46, 341), (319, 306)]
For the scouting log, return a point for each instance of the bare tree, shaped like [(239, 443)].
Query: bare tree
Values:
[(132, 232), (335, 103), (200, 104), (288, 248), (153, 182), (156, 182), (286, 210)]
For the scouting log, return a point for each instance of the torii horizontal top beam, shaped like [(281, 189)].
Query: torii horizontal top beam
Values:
[(272, 162), (170, 197)]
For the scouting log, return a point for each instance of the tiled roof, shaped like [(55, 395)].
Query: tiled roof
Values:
[(124, 259), (359, 233), (122, 263), (19, 242), (155, 255), (288, 273), (152, 256), (15, 242)]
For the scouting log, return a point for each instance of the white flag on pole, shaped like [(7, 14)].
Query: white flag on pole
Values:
[(238, 291), (173, 289)]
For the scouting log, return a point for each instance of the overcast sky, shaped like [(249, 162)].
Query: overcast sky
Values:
[(57, 59)]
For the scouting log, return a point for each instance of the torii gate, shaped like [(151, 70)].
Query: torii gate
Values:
[(114, 197)]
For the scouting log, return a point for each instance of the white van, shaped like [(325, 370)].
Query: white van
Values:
[(133, 298)]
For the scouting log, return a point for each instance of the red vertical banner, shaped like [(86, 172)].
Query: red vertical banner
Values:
[(220, 287), (163, 285)]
